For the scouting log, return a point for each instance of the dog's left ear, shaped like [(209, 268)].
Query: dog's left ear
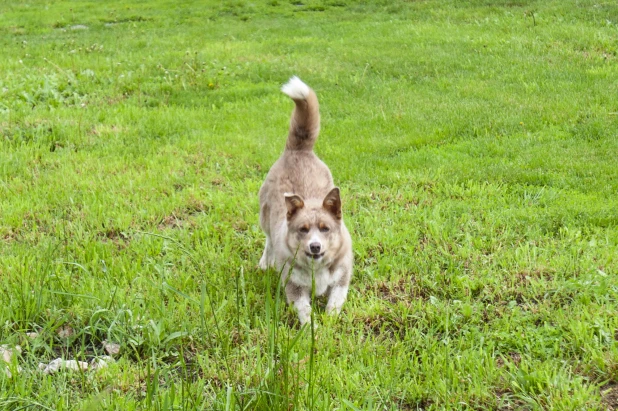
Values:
[(332, 203)]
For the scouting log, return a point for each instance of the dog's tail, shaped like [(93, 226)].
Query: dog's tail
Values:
[(305, 122)]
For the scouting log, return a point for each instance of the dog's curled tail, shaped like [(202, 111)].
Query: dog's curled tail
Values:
[(305, 122)]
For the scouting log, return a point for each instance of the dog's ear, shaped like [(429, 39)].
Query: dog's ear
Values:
[(294, 203), (332, 203)]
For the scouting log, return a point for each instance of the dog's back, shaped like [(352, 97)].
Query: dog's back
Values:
[(298, 170)]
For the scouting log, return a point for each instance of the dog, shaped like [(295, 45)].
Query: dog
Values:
[(300, 213)]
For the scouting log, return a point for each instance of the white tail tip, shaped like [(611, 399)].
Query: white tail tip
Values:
[(296, 89)]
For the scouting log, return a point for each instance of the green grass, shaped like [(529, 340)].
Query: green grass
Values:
[(475, 144)]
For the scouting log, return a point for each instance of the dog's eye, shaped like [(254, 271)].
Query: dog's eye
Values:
[(304, 230), (324, 229)]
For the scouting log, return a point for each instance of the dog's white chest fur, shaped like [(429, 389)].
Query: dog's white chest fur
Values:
[(321, 275)]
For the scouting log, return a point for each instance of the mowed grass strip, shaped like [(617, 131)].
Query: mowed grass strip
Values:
[(475, 146)]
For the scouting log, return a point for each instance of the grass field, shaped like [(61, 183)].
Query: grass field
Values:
[(475, 143)]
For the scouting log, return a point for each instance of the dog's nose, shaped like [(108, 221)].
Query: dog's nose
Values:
[(315, 247)]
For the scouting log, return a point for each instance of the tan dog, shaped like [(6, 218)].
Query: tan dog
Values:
[(300, 212)]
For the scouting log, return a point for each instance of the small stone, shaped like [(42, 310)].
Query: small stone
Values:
[(111, 348), (6, 353), (65, 331), (79, 27)]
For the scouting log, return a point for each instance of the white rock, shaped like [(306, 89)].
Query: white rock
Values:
[(6, 353), (58, 364)]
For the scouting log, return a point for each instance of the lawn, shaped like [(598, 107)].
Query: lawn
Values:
[(475, 144)]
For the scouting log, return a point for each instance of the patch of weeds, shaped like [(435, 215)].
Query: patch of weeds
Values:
[(315, 8), (590, 127), (128, 19), (42, 133), (49, 90), (541, 387), (238, 9)]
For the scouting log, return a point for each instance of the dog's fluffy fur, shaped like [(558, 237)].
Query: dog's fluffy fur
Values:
[(300, 213)]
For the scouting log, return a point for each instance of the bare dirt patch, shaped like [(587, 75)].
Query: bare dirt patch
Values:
[(541, 273), (182, 217), (115, 236), (171, 221), (609, 394), (506, 401), (514, 357), (402, 290)]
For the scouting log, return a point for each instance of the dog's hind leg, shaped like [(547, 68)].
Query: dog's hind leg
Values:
[(266, 260)]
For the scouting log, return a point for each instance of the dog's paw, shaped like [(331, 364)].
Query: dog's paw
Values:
[(307, 323), (336, 299), (304, 318), (304, 313), (333, 309), (264, 264)]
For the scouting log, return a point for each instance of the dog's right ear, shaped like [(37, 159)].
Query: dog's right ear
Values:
[(294, 203)]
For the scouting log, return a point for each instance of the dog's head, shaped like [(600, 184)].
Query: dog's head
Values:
[(314, 227)]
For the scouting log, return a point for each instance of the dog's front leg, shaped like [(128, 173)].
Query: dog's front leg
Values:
[(337, 297), (301, 298), (339, 293)]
